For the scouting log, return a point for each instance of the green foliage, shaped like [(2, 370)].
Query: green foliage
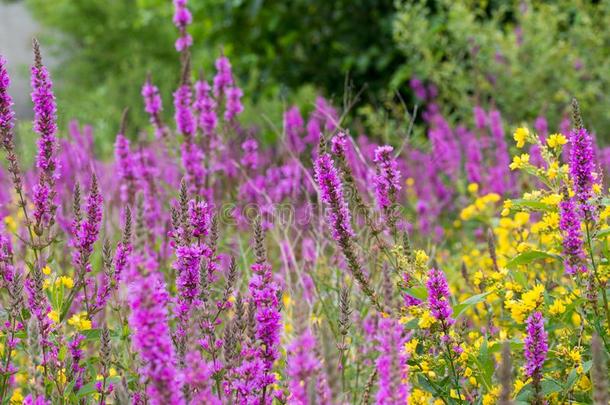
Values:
[(108, 46), (472, 51)]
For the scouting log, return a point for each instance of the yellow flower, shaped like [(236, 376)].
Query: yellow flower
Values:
[(410, 346), (54, 316), (65, 281), (556, 140), (553, 170), (11, 224), (521, 135), (557, 308), (506, 207), (520, 161), (410, 182), (80, 321), (426, 320), (597, 189), (17, 397), (473, 188), (46, 270)]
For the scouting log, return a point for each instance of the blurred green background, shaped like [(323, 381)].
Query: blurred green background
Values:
[(526, 58)]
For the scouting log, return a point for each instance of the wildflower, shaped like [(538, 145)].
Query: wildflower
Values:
[(6, 102), (331, 192), (224, 77), (536, 348), (46, 270), (556, 141), (303, 368), (205, 106), (438, 297), (569, 224), (521, 135), (387, 182), (520, 161), (80, 321), (182, 18), (233, 106), (151, 339), (392, 363), (45, 125), (582, 166), (153, 106), (293, 128)]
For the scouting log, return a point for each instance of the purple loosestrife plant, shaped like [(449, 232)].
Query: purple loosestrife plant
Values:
[(6, 102), (45, 125), (392, 366), (582, 168), (264, 292), (536, 348), (387, 184), (153, 106), (192, 157), (205, 106), (438, 297), (223, 78), (338, 219), (573, 246), (182, 19), (151, 338), (125, 167), (303, 368), (233, 106)]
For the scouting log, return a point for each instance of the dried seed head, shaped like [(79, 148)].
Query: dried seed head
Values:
[(576, 116), (37, 55)]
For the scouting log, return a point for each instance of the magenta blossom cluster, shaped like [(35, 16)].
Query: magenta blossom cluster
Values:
[(331, 192), (573, 247), (182, 19), (536, 346), (392, 364), (439, 297), (45, 125), (6, 102), (582, 167), (387, 181), (151, 339), (153, 105)]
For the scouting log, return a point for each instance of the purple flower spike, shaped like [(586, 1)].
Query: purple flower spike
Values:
[(6, 102), (182, 19), (331, 192), (438, 297), (582, 166), (569, 224), (151, 339)]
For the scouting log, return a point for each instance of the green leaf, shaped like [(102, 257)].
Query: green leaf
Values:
[(418, 292), (550, 386), (467, 303), (528, 257), (534, 205)]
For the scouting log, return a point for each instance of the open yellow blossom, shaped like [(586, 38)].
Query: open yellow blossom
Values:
[(17, 397), (426, 320), (66, 281), (557, 308), (80, 321), (54, 316), (46, 270), (520, 161), (521, 135), (11, 224), (473, 188), (556, 140)]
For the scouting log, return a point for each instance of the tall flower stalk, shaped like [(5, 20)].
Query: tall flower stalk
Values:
[(45, 125), (536, 348), (338, 219)]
